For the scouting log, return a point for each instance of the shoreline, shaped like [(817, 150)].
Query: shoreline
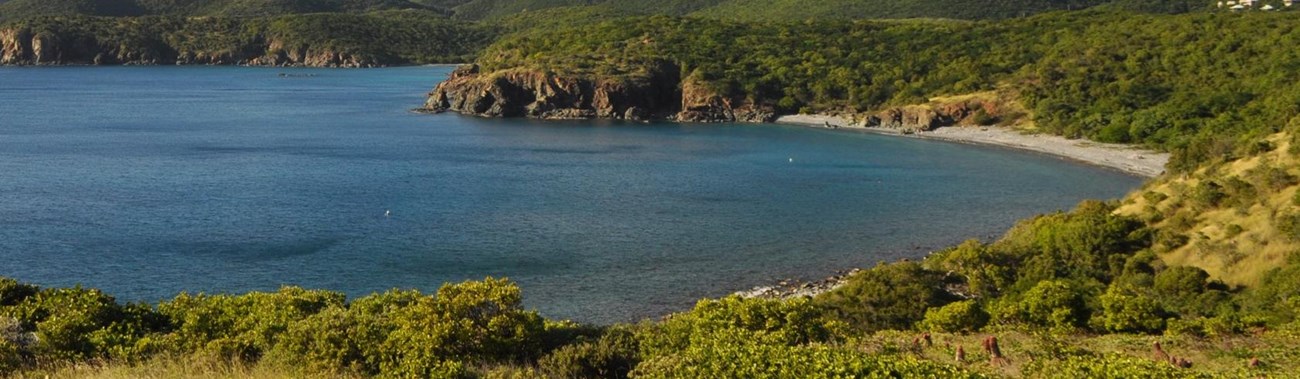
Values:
[(1126, 158)]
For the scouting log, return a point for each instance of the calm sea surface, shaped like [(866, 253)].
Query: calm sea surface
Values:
[(149, 181)]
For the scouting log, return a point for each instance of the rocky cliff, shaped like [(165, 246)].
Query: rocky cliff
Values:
[(21, 46), (927, 117), (661, 94)]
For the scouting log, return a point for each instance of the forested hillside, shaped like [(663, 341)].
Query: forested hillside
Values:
[(738, 10), (1195, 84), (20, 9), (319, 39)]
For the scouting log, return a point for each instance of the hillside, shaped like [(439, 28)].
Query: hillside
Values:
[(22, 9), (1079, 74), (320, 39), (789, 10), (734, 10)]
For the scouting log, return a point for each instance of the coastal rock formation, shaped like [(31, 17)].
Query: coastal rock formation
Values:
[(924, 118), (661, 93), (21, 46)]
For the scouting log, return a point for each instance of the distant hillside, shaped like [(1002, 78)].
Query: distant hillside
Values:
[(19, 9), (788, 10), (734, 10), (483, 9), (778, 10), (319, 39)]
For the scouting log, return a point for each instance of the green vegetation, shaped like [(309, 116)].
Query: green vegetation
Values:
[(1079, 293), (734, 10), (1199, 84), (1204, 260), (381, 38), (20, 9)]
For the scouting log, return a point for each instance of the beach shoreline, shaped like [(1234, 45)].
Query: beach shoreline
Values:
[(1126, 158)]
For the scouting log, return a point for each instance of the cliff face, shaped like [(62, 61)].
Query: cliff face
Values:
[(927, 117), (19, 46), (660, 94)]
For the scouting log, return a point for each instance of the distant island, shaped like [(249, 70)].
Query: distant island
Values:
[(1193, 275)]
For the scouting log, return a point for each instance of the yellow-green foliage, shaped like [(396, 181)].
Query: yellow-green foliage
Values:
[(393, 334), (1231, 218), (395, 37), (737, 356), (961, 316)]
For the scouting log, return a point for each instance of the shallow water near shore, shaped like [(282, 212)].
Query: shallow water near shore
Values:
[(147, 181)]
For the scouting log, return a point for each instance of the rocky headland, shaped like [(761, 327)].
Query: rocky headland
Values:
[(663, 94), (25, 47), (659, 94)]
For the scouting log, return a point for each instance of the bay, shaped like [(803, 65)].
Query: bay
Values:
[(148, 181)]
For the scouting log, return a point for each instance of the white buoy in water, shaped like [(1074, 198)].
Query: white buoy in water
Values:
[(388, 213), (791, 160)]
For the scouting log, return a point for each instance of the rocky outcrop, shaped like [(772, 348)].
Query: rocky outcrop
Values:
[(927, 117), (661, 94), (15, 46), (20, 46)]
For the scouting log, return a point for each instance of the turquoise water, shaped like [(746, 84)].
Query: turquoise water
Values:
[(149, 181)]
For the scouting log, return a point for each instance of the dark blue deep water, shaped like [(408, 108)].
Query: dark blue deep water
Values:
[(149, 181)]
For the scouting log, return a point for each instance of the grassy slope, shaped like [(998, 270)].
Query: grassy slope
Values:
[(1227, 218)]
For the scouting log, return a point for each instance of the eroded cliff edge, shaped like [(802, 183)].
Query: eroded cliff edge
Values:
[(24, 46), (660, 93)]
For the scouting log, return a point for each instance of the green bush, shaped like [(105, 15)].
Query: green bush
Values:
[(1126, 310), (1089, 243), (1289, 225), (468, 322), (244, 326), (70, 323), (986, 270), (738, 356), (12, 292), (1055, 304), (961, 316), (613, 355), (889, 296), (1110, 367), (782, 322)]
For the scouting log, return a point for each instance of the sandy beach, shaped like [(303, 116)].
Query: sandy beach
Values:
[(1126, 158)]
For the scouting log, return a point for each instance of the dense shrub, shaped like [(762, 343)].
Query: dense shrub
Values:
[(738, 356), (889, 296), (1111, 367), (986, 270), (1089, 243), (783, 322), (75, 323), (613, 355), (961, 316), (1130, 311), (1055, 304), (243, 326)]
